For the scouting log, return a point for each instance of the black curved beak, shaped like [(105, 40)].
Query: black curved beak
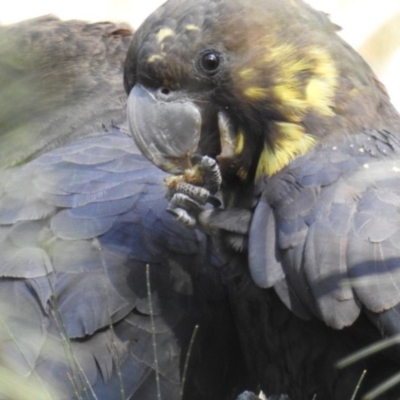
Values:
[(166, 127)]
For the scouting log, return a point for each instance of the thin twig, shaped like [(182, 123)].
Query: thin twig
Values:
[(185, 369), (358, 385), (153, 328)]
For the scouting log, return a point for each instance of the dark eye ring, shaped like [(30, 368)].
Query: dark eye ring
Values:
[(210, 60)]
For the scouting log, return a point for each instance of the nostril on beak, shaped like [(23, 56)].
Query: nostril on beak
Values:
[(164, 90)]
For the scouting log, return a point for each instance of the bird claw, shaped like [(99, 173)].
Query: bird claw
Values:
[(211, 174), (182, 216), (189, 193), (185, 202), (198, 194)]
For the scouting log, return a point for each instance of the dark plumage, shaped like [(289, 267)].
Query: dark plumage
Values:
[(307, 143), (81, 215), (59, 80)]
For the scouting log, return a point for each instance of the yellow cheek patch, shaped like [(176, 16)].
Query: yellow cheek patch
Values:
[(163, 33), (290, 104), (255, 93), (320, 90), (308, 83), (247, 73), (291, 142), (297, 80), (239, 143), (319, 97), (277, 51)]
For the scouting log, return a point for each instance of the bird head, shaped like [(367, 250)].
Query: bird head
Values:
[(253, 84)]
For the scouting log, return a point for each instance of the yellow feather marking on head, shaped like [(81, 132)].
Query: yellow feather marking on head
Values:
[(163, 33), (306, 81), (290, 104), (239, 143), (255, 93), (191, 27), (154, 57), (292, 142), (318, 97), (276, 52), (247, 73), (354, 92), (320, 91)]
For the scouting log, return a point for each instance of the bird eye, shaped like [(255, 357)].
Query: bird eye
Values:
[(210, 61)]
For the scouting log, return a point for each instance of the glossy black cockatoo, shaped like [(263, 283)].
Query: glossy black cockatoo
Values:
[(284, 148)]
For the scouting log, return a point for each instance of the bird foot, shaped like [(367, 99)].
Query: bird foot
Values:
[(193, 202), (192, 194)]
